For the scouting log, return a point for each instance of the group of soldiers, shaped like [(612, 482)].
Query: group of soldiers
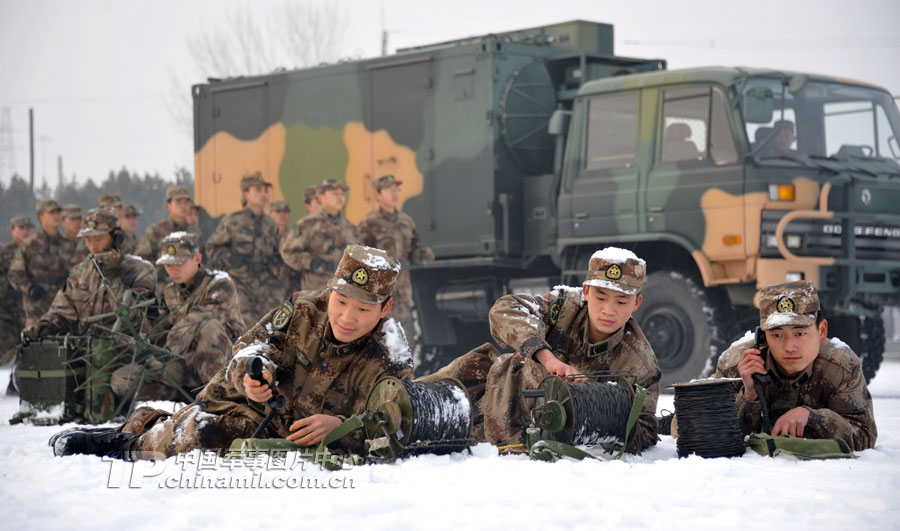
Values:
[(325, 343), (324, 350)]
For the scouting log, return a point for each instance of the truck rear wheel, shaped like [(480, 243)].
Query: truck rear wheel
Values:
[(687, 326), (865, 335)]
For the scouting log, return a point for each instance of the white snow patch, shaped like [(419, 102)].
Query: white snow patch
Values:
[(219, 275), (837, 343), (177, 234), (257, 348), (786, 318), (394, 339), (138, 258), (378, 262), (617, 255), (564, 291)]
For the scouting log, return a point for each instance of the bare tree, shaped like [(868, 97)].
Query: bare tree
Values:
[(292, 34)]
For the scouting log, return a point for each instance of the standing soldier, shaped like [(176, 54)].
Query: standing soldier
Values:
[(203, 318), (394, 231), (178, 203), (311, 200), (41, 264), (280, 211), (129, 223), (12, 318), (245, 245), (319, 239), (71, 222)]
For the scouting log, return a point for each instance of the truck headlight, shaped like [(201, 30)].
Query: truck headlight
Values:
[(793, 241), (782, 192)]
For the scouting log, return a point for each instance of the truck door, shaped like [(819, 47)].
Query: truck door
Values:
[(602, 184), (695, 187), (239, 112)]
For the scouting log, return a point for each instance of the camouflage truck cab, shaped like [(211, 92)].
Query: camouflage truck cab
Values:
[(522, 153), (682, 166)]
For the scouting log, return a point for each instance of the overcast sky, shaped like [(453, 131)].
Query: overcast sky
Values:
[(99, 74)]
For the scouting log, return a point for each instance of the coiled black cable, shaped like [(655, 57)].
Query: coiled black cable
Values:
[(601, 412), (441, 417), (707, 420)]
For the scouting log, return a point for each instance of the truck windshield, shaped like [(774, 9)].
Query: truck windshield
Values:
[(825, 120)]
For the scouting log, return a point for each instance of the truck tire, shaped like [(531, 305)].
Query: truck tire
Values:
[(687, 326), (865, 335)]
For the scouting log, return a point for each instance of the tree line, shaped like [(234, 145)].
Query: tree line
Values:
[(147, 193)]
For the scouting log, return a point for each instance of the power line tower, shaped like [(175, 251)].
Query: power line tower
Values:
[(7, 146)]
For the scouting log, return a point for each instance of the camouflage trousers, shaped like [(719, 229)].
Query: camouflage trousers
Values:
[(258, 296), (496, 385), (163, 434), (202, 348)]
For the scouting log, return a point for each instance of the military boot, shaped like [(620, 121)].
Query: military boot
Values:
[(93, 441), (665, 422)]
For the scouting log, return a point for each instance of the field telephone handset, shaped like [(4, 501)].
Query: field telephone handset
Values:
[(762, 380)]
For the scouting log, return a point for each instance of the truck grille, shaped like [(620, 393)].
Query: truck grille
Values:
[(875, 240)]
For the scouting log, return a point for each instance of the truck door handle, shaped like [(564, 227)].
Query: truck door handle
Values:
[(581, 215), (655, 209)]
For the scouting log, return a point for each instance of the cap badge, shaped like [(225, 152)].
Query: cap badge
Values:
[(360, 276), (785, 305), (91, 223), (613, 272), (170, 250)]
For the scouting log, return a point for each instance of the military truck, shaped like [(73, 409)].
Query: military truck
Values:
[(523, 152)]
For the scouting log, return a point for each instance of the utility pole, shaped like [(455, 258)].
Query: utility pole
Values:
[(7, 145), (31, 146)]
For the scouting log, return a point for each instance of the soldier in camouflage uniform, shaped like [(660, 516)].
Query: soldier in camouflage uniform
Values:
[(319, 239), (128, 222), (245, 245), (390, 229), (12, 318), (311, 200), (71, 222), (112, 201), (203, 318), (566, 332), (325, 349), (818, 390), (280, 212), (178, 203), (41, 264)]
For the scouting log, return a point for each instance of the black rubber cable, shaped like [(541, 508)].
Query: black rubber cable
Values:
[(707, 420)]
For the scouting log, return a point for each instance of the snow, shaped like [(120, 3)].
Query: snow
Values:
[(377, 262), (617, 255), (394, 339), (138, 258), (219, 275), (481, 491), (837, 343), (176, 235), (785, 318), (569, 290)]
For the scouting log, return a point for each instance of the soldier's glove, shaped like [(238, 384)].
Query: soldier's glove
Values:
[(36, 292), (35, 332), (321, 266), (151, 363)]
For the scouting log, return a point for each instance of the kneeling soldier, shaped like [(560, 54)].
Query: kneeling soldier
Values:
[(203, 320), (817, 388), (324, 350)]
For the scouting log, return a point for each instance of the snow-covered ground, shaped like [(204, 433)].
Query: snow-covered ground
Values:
[(482, 491)]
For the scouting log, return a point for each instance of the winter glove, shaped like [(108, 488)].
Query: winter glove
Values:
[(36, 292), (321, 266), (35, 332)]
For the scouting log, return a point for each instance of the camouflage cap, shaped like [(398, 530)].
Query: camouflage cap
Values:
[(131, 210), (109, 200), (20, 221), (71, 211), (98, 221), (250, 180), (386, 180), (47, 206), (331, 184), (366, 274), (310, 193), (616, 269), (177, 192), (177, 248), (791, 304), (282, 206)]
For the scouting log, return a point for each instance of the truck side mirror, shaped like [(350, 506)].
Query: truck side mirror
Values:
[(759, 105), (559, 122)]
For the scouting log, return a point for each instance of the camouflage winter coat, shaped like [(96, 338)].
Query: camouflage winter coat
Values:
[(42, 261), (832, 388), (316, 246), (148, 247), (212, 294)]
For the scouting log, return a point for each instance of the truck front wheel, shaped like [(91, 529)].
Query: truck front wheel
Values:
[(687, 326)]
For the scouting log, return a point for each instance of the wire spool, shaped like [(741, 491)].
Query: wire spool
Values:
[(411, 418), (585, 413), (707, 419)]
